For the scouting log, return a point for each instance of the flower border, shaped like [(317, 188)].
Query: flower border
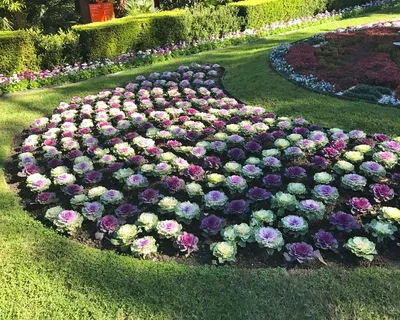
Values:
[(278, 62)]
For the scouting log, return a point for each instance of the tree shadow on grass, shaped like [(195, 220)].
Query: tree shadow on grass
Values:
[(104, 284)]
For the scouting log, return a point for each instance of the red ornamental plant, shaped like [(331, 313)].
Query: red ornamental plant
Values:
[(357, 57)]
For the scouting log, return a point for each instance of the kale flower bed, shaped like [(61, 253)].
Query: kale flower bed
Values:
[(357, 62), (170, 164)]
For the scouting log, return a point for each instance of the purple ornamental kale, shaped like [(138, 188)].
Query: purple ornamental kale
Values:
[(212, 162), (319, 162), (359, 205), (272, 180), (325, 240), (236, 154), (252, 147), (296, 172), (126, 210), (382, 192), (174, 184), (258, 194), (344, 221), (73, 189), (46, 197), (149, 196), (195, 172), (187, 242), (211, 224), (239, 207), (300, 252), (108, 224), (93, 177)]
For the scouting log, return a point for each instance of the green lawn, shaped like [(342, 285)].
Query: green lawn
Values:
[(46, 276)]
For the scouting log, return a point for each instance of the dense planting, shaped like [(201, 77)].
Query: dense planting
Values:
[(361, 62), (172, 160)]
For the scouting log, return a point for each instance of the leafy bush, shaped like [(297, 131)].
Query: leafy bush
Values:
[(17, 52), (258, 13), (110, 39), (55, 49), (206, 21)]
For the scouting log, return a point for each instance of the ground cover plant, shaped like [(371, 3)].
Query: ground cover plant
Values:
[(171, 160), (355, 62), (45, 275)]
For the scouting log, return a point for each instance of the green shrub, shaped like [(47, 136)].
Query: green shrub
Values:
[(257, 13), (204, 22), (17, 52), (110, 39), (55, 49)]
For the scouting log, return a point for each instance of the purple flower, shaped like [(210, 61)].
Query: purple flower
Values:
[(212, 162), (149, 196), (319, 162), (211, 224), (382, 192), (300, 252), (239, 207), (93, 177), (108, 224), (296, 172), (344, 221), (325, 240), (73, 189), (174, 184), (278, 134), (153, 152), (359, 205), (258, 194), (194, 172), (187, 242), (46, 197), (236, 154), (252, 147), (126, 210), (272, 180)]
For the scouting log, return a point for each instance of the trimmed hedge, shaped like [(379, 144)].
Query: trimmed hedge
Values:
[(257, 13), (17, 52), (110, 39)]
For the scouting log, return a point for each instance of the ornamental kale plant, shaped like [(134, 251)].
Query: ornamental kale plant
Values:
[(170, 159)]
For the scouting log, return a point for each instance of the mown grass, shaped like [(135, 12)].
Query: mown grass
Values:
[(46, 276)]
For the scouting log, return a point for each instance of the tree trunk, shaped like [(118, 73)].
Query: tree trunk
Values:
[(84, 10)]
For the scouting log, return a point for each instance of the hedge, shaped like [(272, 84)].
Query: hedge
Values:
[(17, 52), (257, 13), (110, 39)]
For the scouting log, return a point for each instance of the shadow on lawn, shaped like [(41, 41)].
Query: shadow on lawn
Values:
[(181, 292)]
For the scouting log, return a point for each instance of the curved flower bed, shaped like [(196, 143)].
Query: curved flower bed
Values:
[(170, 163), (31, 79), (357, 62)]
